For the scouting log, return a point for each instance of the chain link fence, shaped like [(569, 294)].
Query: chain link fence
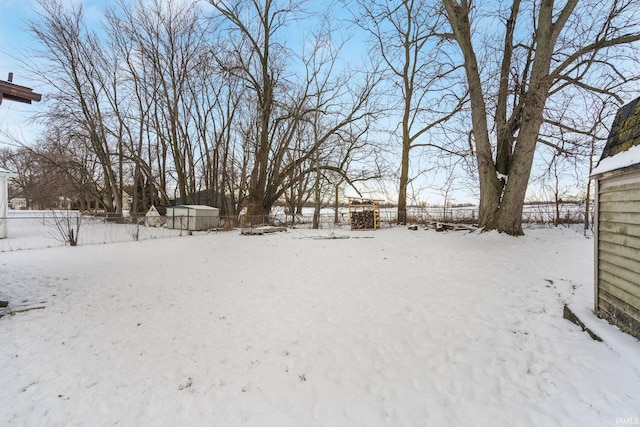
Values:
[(44, 229), (544, 213)]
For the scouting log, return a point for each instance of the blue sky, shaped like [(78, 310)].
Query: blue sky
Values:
[(13, 25), (15, 40)]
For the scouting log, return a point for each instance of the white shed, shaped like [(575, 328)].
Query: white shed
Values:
[(155, 216), (193, 217), (617, 223), (5, 174)]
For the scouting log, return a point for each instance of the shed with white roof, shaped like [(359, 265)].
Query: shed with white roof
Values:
[(192, 217)]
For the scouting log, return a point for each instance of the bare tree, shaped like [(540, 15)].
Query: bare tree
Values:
[(165, 44), (67, 225), (75, 69), (548, 49), (407, 37), (283, 104), (22, 161), (575, 128), (219, 97), (51, 174), (255, 52)]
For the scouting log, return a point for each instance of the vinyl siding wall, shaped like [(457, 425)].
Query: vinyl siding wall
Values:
[(617, 295)]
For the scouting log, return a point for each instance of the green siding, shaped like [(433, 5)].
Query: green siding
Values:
[(620, 229), (618, 252)]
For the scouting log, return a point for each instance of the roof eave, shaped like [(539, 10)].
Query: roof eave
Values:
[(17, 93), (616, 172)]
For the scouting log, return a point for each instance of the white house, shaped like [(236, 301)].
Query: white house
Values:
[(5, 174)]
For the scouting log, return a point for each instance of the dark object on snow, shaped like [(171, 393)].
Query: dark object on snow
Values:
[(568, 314), (4, 303), (444, 226), (264, 229), (413, 227)]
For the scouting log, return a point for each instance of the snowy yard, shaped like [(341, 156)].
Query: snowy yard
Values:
[(385, 328)]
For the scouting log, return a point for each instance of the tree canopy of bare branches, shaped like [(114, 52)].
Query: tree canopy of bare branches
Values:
[(321, 100), (177, 101)]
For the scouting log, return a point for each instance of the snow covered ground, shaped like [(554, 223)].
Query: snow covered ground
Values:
[(386, 328)]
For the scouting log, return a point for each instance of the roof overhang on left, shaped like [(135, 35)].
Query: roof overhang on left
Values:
[(14, 92), (7, 172)]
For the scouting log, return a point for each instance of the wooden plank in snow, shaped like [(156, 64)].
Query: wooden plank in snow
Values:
[(258, 231)]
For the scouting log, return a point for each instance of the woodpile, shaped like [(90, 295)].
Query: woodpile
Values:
[(363, 220), (364, 214)]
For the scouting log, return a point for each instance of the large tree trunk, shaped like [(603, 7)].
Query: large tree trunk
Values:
[(490, 185), (502, 210), (404, 180), (255, 204), (508, 218)]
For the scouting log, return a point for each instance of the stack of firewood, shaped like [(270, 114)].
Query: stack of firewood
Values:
[(363, 220)]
